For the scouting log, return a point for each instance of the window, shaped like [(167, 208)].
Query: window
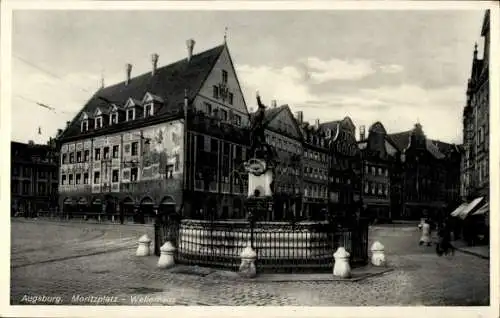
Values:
[(63, 179), (26, 187), (215, 92), (231, 98), (86, 178), (373, 170), (114, 118), (130, 114), (86, 155), (127, 148), (71, 158), (114, 177), (97, 177), (224, 76), (41, 174), (223, 115), (78, 178), (85, 125), (79, 156), (133, 174), (70, 179), (208, 108), (106, 153), (97, 154), (147, 110), (42, 190), (367, 187), (237, 119), (115, 151), (135, 148), (98, 122)]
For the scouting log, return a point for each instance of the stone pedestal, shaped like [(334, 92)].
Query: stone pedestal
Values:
[(167, 252), (144, 246), (342, 268), (378, 256), (247, 268)]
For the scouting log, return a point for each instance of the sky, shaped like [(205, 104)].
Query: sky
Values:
[(396, 67)]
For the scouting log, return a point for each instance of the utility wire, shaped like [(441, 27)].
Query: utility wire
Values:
[(49, 73), (55, 110)]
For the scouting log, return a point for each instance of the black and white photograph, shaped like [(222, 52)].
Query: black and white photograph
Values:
[(249, 156)]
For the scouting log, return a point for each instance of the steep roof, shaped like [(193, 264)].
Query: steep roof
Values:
[(437, 148), (169, 83), (400, 140)]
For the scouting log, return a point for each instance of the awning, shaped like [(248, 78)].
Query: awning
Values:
[(485, 209), (463, 214), (457, 211)]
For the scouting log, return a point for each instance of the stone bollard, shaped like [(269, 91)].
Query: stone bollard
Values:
[(378, 256), (247, 267), (341, 267), (143, 248), (166, 255)]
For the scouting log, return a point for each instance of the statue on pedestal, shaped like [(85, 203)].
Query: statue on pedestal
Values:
[(260, 166)]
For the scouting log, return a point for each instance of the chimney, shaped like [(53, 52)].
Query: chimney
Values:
[(190, 45), (59, 133), (362, 133), (154, 60), (128, 70), (273, 103), (300, 117), (67, 124), (317, 123)]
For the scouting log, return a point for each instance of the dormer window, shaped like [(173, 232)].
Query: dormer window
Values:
[(148, 110), (98, 119), (113, 118), (130, 114), (130, 109), (98, 123), (151, 104), (85, 123)]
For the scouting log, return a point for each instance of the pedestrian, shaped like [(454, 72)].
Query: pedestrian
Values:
[(444, 242), (425, 238)]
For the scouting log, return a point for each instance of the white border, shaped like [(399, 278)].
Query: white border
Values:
[(130, 311)]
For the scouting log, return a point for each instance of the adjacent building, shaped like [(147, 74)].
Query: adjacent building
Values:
[(429, 173), (34, 178), (284, 135), (166, 140), (476, 115), (381, 185)]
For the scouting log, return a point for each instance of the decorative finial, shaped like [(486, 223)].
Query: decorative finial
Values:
[(225, 35)]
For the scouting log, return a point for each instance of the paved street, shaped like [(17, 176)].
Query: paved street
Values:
[(45, 262)]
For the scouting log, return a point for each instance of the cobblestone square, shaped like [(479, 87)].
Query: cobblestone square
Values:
[(96, 264)]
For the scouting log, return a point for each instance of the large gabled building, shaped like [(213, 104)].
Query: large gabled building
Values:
[(168, 139), (429, 172), (381, 177)]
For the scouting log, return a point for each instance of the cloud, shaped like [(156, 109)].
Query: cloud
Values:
[(391, 69), (335, 69), (398, 107)]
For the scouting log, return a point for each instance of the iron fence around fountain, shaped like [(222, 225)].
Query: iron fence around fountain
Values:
[(280, 246)]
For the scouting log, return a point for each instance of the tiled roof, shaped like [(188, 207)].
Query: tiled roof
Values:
[(272, 112), (437, 148), (169, 83), (400, 140)]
